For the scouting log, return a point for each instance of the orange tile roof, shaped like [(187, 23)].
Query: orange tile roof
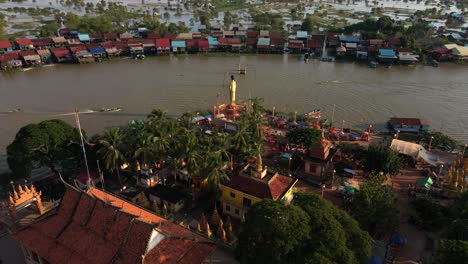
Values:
[(270, 188), (97, 227)]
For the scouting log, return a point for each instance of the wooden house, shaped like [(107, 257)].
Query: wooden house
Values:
[(153, 35), (46, 56), (178, 46), (84, 38), (163, 46), (10, 60), (5, 46), (61, 55), (96, 37), (213, 43), (24, 44), (203, 45), (125, 37), (408, 125), (387, 56), (263, 45), (295, 46), (315, 46), (30, 58), (81, 54), (276, 45), (440, 54), (43, 43), (149, 46), (192, 45), (97, 51), (110, 37)]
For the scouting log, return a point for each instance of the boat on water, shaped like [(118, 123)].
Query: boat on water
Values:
[(15, 110), (108, 110)]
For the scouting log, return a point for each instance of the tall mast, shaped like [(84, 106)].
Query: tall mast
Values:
[(77, 119)]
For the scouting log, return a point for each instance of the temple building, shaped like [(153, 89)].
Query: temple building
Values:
[(98, 227), (318, 162), (251, 185)]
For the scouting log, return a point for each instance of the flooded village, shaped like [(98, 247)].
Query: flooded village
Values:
[(233, 132)]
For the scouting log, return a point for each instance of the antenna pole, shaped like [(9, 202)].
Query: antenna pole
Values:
[(77, 119)]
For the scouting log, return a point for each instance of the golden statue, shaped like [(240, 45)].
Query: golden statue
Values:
[(232, 89)]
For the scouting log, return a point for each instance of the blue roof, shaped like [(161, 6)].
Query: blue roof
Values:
[(466, 45), (263, 42), (387, 52), (456, 36), (350, 40), (178, 44), (83, 37), (212, 41), (362, 53), (301, 34), (97, 50)]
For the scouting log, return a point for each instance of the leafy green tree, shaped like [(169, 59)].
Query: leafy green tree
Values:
[(51, 143), (452, 251), (227, 19), (374, 207), (334, 236), (271, 233), (312, 23), (2, 27), (439, 140), (381, 158), (306, 137), (109, 151)]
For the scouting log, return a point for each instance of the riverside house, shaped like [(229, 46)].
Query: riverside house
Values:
[(5, 46), (408, 125)]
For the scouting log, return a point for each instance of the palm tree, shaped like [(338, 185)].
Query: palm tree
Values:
[(109, 150), (145, 154), (217, 172), (156, 115)]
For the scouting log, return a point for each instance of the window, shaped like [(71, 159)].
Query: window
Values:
[(237, 211), (233, 195), (228, 208), (247, 202)]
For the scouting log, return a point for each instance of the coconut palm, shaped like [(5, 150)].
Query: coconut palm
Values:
[(109, 151), (145, 154)]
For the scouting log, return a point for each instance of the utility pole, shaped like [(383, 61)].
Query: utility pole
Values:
[(333, 116), (77, 119)]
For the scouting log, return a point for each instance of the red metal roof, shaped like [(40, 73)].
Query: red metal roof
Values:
[(276, 42), (170, 36), (4, 44), (110, 36), (295, 44), (234, 41), (203, 43), (27, 53), (314, 44), (101, 228), (95, 36), (250, 41), (252, 34), (24, 42), (223, 41), (193, 43), (60, 52), (77, 48), (163, 43), (153, 36), (441, 50), (394, 41), (64, 31), (275, 35), (406, 121), (271, 189), (402, 49), (9, 56)]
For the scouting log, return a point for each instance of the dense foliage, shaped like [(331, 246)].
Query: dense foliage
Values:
[(451, 251), (327, 234), (305, 137), (380, 158), (439, 140), (375, 208), (51, 143), (272, 233)]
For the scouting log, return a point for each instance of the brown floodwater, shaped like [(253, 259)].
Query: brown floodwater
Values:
[(176, 84)]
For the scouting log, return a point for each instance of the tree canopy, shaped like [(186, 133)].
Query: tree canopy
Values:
[(51, 143), (271, 233), (381, 158), (326, 233), (306, 137), (452, 251), (374, 207)]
